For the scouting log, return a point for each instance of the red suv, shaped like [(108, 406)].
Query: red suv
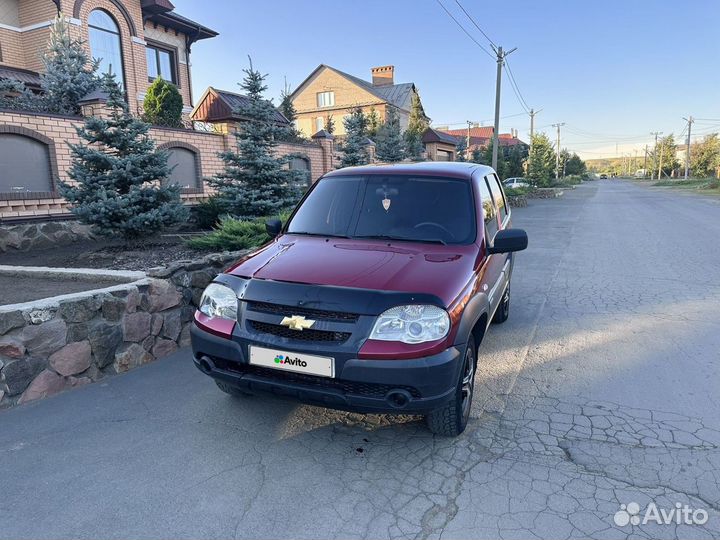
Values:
[(373, 297)]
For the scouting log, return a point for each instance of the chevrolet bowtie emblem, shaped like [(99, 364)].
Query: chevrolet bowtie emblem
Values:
[(297, 322)]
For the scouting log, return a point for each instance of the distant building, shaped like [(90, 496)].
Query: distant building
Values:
[(439, 146), (327, 91), (481, 137)]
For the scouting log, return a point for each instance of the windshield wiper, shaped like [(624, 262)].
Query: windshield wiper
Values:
[(401, 239), (306, 233)]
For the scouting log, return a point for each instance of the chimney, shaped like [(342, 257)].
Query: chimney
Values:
[(383, 75)]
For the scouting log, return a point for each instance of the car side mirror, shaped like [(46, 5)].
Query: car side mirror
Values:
[(273, 227), (509, 240)]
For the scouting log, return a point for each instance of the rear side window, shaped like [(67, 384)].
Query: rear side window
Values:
[(498, 195), (489, 215)]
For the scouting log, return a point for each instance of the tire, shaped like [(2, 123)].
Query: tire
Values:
[(503, 310), (232, 390), (451, 420)]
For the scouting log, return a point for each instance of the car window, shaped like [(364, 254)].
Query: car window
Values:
[(398, 206), (498, 196), (489, 214)]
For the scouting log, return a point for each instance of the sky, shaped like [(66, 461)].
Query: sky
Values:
[(613, 71)]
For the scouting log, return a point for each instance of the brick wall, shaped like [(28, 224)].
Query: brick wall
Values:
[(23, 49), (56, 131)]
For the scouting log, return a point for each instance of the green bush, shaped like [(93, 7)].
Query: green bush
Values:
[(234, 234), (207, 213), (163, 104), (517, 192)]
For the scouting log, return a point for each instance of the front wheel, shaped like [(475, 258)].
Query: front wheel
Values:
[(451, 419)]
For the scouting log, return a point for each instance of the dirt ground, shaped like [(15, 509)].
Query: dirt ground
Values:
[(157, 251), (15, 290)]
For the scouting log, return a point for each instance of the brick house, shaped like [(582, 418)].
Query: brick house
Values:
[(481, 136), (327, 91), (146, 39)]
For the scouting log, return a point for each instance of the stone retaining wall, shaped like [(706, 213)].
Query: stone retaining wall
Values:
[(28, 236), (55, 344)]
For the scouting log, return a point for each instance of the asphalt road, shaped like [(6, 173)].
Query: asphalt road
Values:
[(602, 389)]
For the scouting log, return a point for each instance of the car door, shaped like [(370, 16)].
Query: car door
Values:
[(499, 264), (492, 268)]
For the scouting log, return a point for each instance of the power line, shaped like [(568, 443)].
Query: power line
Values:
[(515, 87), (476, 25), (468, 34)]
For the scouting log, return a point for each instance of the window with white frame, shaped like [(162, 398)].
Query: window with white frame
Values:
[(319, 124), (325, 99)]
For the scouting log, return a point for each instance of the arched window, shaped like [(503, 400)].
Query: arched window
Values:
[(25, 165), (186, 172), (105, 44)]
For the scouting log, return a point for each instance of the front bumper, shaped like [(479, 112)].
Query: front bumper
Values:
[(414, 386)]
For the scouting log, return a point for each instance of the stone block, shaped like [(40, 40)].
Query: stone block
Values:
[(72, 359)]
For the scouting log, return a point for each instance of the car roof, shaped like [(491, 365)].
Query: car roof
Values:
[(452, 169)]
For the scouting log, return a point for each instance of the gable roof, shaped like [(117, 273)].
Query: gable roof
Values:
[(433, 135), (218, 105), (482, 136), (162, 12), (399, 95)]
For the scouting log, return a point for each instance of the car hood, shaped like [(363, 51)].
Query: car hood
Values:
[(443, 271)]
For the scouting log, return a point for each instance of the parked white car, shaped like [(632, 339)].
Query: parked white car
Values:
[(515, 183)]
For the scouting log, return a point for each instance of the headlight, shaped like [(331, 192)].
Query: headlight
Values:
[(412, 324), (219, 301)]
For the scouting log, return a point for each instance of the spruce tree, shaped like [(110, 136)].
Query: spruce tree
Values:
[(120, 176), (354, 147), (461, 149), (255, 181), (330, 125), (413, 145), (15, 95), (287, 108), (417, 125), (69, 72), (372, 123), (389, 140)]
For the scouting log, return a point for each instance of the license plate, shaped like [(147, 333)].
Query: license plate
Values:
[(290, 361)]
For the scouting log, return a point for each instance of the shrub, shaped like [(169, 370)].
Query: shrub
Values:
[(234, 234), (207, 213), (163, 104)]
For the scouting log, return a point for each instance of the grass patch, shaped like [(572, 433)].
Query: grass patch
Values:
[(234, 234), (692, 183)]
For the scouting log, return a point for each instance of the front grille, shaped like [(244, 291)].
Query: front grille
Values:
[(277, 309), (348, 387), (299, 335)]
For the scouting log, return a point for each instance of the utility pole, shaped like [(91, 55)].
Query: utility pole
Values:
[(687, 151), (501, 55), (660, 166), (645, 162), (557, 154), (467, 141), (656, 133)]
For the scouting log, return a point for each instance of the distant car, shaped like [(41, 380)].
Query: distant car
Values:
[(603, 176), (515, 183)]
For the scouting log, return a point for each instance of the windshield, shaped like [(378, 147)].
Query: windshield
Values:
[(414, 209)]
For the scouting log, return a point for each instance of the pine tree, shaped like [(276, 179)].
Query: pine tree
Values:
[(354, 148), (163, 104), (413, 145), (16, 96), (541, 161), (69, 72), (287, 108), (389, 144), (120, 176), (330, 125), (461, 149), (255, 182), (417, 125), (372, 123)]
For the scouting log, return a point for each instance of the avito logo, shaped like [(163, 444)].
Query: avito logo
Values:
[(281, 359)]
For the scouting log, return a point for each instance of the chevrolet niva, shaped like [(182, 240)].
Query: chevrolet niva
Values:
[(373, 297)]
